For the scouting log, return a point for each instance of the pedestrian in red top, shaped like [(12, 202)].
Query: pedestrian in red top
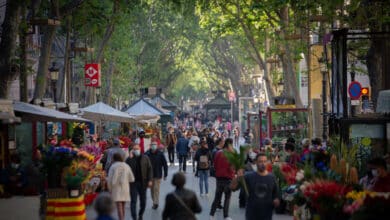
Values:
[(224, 173)]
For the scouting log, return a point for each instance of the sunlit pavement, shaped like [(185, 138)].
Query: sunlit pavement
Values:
[(193, 184)]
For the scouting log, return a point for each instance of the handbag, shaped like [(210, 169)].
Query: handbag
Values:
[(184, 205)]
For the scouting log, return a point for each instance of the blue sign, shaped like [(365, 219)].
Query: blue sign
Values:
[(355, 90)]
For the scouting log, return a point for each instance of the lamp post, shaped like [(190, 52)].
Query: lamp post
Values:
[(54, 72), (280, 87), (324, 72)]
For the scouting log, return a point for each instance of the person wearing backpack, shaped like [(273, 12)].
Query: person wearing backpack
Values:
[(203, 159)]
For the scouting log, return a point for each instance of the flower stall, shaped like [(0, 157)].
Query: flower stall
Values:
[(73, 177), (325, 185)]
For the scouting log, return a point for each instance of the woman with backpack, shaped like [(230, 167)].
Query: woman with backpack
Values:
[(203, 159)]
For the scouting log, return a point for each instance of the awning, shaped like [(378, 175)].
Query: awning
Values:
[(31, 112), (104, 112)]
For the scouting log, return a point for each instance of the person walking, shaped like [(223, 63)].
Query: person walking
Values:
[(182, 203), (203, 159), (143, 174), (182, 151), (170, 141), (250, 166), (107, 158), (119, 177), (262, 190), (104, 205), (224, 175), (159, 164), (193, 144)]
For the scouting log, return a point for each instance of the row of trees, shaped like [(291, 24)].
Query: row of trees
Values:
[(187, 47)]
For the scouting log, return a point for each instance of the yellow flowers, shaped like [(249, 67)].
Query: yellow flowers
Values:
[(359, 195), (80, 125), (86, 155)]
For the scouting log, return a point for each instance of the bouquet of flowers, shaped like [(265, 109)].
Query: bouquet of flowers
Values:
[(78, 133), (75, 175), (92, 150), (54, 160), (124, 141), (326, 197), (365, 205)]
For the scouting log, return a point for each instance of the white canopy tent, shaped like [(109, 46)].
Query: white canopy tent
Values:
[(103, 112), (145, 112)]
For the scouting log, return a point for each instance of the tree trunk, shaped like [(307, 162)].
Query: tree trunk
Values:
[(378, 60), (23, 59), (10, 29), (110, 72), (289, 74), (66, 83), (100, 51), (44, 59)]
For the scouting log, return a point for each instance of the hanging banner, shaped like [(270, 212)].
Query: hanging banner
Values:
[(92, 74)]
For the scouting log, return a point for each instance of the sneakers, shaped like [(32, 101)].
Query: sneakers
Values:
[(228, 218), (212, 217), (155, 206)]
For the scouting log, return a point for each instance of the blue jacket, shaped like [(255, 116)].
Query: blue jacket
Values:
[(182, 146)]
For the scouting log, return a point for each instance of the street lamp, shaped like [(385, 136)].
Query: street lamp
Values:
[(54, 72), (324, 71), (280, 86)]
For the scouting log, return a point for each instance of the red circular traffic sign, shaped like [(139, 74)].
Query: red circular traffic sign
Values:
[(355, 90)]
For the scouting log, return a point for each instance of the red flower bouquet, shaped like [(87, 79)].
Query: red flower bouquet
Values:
[(124, 141), (326, 197), (289, 173)]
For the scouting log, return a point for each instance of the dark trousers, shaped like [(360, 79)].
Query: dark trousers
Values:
[(137, 189), (171, 154), (223, 186), (242, 198), (182, 162)]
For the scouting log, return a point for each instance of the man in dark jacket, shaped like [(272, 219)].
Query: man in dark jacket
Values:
[(182, 152), (159, 163), (182, 203), (143, 173)]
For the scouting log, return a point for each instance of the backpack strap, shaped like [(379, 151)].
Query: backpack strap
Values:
[(177, 197)]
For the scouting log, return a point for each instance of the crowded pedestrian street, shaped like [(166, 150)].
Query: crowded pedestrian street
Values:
[(192, 183), (194, 110)]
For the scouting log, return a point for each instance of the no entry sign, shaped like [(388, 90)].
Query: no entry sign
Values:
[(355, 90)]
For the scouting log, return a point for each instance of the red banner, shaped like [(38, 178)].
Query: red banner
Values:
[(92, 74)]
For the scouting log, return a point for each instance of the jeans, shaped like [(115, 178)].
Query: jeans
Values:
[(136, 189), (182, 162), (171, 154), (223, 186), (203, 178), (155, 190)]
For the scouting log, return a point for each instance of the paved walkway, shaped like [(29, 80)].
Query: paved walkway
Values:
[(192, 183), (22, 208)]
